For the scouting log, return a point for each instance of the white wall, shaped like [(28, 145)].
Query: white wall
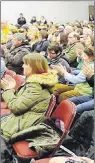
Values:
[(61, 11)]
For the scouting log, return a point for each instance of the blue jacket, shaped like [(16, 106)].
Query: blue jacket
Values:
[(76, 79)]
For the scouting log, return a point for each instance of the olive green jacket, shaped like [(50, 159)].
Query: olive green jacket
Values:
[(28, 104), (71, 51)]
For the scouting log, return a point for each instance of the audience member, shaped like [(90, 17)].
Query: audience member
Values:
[(14, 57), (73, 44), (28, 106), (21, 20), (76, 84), (43, 44)]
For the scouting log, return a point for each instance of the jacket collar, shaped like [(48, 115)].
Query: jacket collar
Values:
[(49, 78)]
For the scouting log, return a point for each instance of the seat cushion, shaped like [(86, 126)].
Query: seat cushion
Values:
[(22, 149)]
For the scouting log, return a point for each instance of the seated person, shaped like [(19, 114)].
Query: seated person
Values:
[(62, 39), (5, 71), (42, 45), (80, 62), (85, 103), (70, 51), (14, 57), (88, 42), (29, 104), (18, 78), (55, 57), (76, 84)]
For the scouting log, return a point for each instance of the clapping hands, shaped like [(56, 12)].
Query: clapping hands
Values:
[(8, 82), (88, 71), (59, 68)]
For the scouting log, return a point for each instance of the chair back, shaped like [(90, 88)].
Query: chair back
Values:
[(65, 112)]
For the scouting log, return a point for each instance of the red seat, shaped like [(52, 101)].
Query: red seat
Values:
[(65, 111), (22, 148)]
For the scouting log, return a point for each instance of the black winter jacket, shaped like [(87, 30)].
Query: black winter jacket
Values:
[(91, 83), (21, 21), (41, 46), (81, 137)]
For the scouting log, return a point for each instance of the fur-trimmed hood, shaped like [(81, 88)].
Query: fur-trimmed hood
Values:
[(49, 78)]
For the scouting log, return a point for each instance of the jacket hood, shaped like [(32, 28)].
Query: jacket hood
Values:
[(49, 78)]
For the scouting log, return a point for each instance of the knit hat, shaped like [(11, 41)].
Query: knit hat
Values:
[(3, 67), (19, 36)]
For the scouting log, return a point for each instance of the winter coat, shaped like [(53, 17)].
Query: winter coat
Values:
[(9, 44), (70, 53), (28, 105), (40, 46), (81, 137), (14, 58), (21, 21)]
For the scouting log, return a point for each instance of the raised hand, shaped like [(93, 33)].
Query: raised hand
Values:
[(8, 82), (88, 71), (59, 68)]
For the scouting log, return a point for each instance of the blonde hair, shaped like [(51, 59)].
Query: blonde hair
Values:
[(37, 62)]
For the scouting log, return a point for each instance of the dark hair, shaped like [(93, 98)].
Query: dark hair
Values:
[(63, 38), (55, 47), (89, 51), (44, 34)]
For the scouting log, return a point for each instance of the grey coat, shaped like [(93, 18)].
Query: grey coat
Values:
[(14, 58)]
